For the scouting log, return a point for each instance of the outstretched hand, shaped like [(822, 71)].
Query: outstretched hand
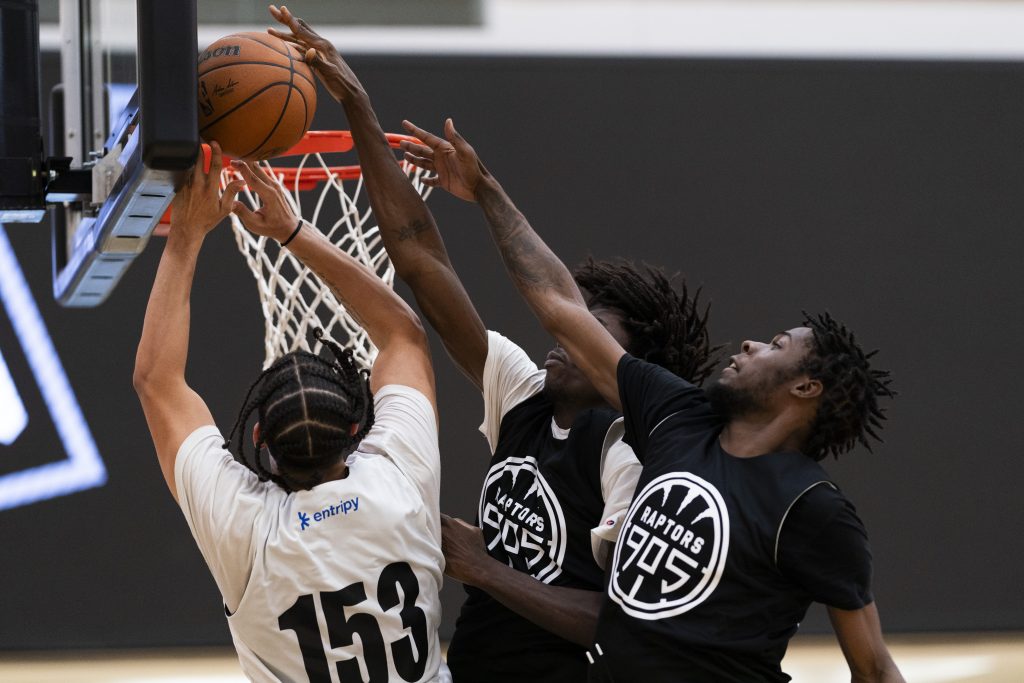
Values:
[(200, 204), (453, 162), (320, 55), (275, 218)]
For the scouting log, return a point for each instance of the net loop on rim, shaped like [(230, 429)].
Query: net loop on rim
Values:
[(328, 198)]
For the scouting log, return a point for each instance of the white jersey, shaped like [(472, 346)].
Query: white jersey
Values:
[(339, 583)]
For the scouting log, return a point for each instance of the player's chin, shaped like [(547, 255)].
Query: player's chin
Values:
[(555, 384)]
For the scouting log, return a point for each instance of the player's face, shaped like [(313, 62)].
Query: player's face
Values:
[(756, 377), (565, 381)]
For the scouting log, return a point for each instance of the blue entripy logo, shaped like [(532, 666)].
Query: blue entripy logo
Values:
[(342, 508)]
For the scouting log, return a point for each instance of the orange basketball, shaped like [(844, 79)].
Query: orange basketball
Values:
[(256, 95)]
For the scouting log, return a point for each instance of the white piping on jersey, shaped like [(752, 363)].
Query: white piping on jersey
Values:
[(663, 421), (615, 431), (778, 532)]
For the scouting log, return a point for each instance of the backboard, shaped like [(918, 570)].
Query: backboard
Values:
[(125, 115)]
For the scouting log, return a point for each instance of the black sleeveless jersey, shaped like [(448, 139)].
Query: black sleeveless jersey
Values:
[(540, 499), (696, 593)]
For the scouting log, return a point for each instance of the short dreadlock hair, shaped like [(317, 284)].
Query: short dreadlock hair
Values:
[(665, 326), (312, 411), (849, 412)]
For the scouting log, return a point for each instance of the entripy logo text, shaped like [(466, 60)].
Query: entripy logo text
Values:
[(342, 508)]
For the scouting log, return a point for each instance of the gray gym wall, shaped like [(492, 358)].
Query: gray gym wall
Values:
[(887, 193)]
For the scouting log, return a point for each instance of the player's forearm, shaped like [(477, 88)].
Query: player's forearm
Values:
[(883, 671), (415, 246), (567, 612), (539, 275), (397, 205), (163, 347)]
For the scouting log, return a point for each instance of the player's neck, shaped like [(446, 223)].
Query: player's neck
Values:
[(747, 436), (565, 413), (338, 470)]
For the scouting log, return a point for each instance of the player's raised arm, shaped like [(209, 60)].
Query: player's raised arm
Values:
[(538, 274), (403, 354), (173, 410), (406, 225)]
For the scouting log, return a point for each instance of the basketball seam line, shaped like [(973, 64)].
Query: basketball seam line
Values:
[(260, 42), (274, 64), (250, 98), (287, 53), (284, 108)]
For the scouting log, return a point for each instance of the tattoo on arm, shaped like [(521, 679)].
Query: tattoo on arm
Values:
[(410, 231), (529, 261)]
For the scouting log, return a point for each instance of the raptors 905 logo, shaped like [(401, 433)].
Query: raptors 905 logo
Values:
[(672, 549), (522, 520)]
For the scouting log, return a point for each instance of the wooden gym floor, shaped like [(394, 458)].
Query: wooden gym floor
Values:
[(974, 658)]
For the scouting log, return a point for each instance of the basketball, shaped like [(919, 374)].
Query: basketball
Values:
[(256, 95)]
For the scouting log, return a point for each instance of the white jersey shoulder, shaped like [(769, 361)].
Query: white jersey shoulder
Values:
[(510, 377), (620, 471), (343, 576)]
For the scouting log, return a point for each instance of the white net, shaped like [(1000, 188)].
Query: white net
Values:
[(294, 300)]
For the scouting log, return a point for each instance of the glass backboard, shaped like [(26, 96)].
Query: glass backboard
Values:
[(128, 71)]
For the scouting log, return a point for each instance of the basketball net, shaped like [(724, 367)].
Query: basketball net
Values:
[(294, 300)]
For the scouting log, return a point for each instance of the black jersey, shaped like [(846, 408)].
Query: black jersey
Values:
[(702, 588), (541, 498)]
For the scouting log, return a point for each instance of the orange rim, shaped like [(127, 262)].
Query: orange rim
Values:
[(313, 142)]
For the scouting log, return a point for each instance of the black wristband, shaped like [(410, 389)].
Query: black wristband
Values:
[(294, 233)]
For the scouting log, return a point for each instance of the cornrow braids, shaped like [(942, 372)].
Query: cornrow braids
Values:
[(849, 412), (665, 327), (311, 411)]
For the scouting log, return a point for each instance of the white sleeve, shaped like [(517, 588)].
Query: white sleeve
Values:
[(620, 471), (510, 377), (405, 432), (221, 500)]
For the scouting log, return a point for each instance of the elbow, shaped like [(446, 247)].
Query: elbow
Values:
[(557, 313), (405, 329), (142, 380), (146, 380), (419, 269), (414, 330)]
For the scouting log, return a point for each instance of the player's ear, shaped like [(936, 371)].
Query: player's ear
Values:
[(807, 388), (256, 434)]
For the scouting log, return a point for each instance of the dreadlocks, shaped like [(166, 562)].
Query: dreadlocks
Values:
[(848, 412), (665, 327), (311, 412)]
